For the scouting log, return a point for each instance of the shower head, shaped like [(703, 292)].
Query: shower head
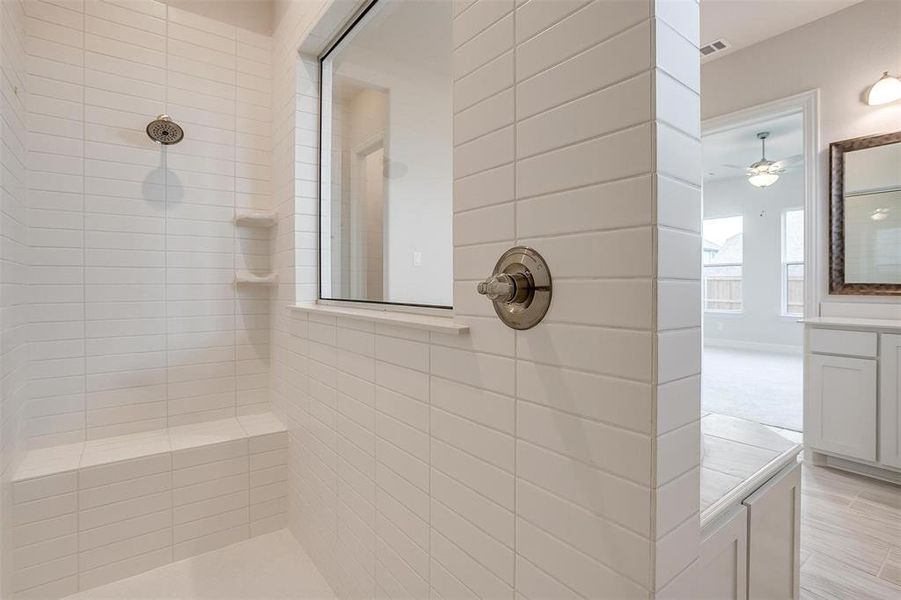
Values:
[(165, 131)]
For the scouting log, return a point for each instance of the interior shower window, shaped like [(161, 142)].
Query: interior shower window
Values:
[(793, 263), (723, 248), (387, 157)]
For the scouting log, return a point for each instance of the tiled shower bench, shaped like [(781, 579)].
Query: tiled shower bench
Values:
[(91, 513)]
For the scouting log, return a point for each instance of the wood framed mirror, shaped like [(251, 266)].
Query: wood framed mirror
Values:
[(865, 216)]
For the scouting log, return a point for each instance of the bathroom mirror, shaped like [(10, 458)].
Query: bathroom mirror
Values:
[(386, 162), (865, 216)]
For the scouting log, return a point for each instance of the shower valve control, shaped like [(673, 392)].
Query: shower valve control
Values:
[(519, 288), (502, 287)]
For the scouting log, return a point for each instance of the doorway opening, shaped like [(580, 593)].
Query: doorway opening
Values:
[(367, 216), (753, 273)]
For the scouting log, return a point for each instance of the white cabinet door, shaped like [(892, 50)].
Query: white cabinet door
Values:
[(774, 534), (890, 401), (840, 412), (723, 560)]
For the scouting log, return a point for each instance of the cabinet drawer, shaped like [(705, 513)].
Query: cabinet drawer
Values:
[(837, 341)]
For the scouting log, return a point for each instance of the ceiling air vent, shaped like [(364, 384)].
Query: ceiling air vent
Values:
[(714, 47)]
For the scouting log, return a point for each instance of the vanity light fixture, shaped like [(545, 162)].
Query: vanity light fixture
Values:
[(887, 89), (764, 173)]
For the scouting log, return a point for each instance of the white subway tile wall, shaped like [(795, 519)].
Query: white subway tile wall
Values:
[(127, 313), (136, 323), (557, 462), (508, 464), (678, 295), (14, 259)]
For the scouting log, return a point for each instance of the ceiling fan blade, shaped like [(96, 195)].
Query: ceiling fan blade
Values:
[(791, 161)]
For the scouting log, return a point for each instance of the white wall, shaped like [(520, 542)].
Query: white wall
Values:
[(841, 55), (419, 206), (14, 260), (761, 321), (557, 462), (136, 323)]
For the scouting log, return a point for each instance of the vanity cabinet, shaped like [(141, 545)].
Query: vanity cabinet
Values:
[(723, 560), (774, 536), (890, 400), (752, 551), (852, 402), (841, 405)]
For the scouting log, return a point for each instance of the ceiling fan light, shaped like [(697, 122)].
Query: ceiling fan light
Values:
[(887, 89), (764, 172), (763, 179)]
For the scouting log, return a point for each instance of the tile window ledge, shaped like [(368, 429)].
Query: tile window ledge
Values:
[(438, 324)]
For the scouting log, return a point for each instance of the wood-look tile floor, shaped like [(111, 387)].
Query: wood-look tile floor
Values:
[(850, 536)]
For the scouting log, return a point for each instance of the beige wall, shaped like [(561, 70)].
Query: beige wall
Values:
[(841, 55), (255, 15)]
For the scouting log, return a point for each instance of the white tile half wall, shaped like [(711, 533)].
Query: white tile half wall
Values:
[(135, 321), (560, 462)]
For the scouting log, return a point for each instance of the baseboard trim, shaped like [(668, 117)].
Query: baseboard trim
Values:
[(875, 472), (757, 346)]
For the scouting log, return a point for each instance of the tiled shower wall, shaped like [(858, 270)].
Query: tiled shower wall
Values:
[(677, 216), (13, 227), (13, 256), (136, 323), (558, 462)]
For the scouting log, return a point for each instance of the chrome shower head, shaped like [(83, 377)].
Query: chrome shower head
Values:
[(165, 131)]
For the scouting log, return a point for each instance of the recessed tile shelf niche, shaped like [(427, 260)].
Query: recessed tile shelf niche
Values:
[(256, 218)]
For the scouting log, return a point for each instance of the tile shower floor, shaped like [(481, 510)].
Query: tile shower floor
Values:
[(266, 567)]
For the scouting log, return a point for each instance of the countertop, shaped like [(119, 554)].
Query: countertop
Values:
[(852, 323), (737, 457)]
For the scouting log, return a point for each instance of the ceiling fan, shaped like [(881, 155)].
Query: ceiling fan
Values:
[(764, 172)]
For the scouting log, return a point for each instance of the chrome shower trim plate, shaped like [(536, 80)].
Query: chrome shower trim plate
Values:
[(520, 288)]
